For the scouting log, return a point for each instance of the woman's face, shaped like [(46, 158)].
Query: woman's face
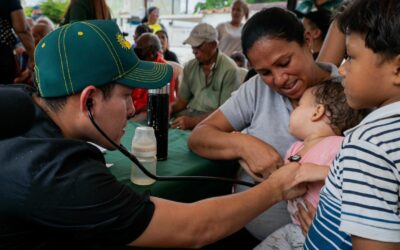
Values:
[(163, 39), (284, 66), (237, 12), (153, 16)]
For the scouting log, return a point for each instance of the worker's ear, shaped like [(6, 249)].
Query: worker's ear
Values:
[(88, 98)]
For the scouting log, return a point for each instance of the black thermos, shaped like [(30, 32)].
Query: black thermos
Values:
[(158, 118)]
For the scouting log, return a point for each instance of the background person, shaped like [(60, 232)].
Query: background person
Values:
[(229, 33), (333, 49), (151, 19), (12, 19), (262, 105), (208, 79), (141, 29), (148, 48), (167, 54), (316, 25), (69, 198), (241, 62), (79, 10), (39, 31)]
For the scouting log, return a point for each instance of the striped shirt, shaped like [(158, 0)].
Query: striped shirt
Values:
[(362, 190)]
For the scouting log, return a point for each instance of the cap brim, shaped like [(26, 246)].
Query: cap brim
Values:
[(194, 42), (147, 75)]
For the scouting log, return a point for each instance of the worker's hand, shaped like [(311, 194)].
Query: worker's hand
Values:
[(284, 180)]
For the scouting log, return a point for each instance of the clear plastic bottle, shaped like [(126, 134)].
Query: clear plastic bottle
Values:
[(144, 147)]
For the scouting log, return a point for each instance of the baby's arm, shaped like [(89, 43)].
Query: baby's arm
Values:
[(309, 172)]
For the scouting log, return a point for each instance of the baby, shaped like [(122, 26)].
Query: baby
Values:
[(318, 121)]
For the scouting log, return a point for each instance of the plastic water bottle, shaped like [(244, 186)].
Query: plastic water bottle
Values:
[(144, 147), (158, 118)]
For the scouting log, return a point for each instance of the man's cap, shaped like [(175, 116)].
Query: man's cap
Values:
[(203, 32), (92, 53)]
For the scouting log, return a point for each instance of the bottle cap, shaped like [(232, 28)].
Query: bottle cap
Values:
[(144, 142)]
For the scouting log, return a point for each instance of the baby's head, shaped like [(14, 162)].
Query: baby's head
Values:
[(324, 103), (341, 116)]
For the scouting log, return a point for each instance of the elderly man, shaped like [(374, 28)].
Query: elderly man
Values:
[(39, 31), (208, 79)]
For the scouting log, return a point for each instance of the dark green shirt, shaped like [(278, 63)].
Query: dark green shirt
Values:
[(79, 10)]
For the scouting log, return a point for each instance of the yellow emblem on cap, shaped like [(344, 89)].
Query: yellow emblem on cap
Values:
[(80, 33), (124, 43), (43, 45)]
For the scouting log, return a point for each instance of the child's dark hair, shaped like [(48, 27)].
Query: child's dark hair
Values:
[(378, 20), (341, 115)]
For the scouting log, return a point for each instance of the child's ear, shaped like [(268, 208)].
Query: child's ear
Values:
[(319, 112), (396, 64)]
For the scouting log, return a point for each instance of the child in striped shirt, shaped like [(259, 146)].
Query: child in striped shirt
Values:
[(359, 206)]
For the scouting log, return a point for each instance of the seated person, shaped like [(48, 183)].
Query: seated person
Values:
[(140, 29), (316, 25), (241, 62), (39, 31), (168, 55), (148, 48), (208, 79)]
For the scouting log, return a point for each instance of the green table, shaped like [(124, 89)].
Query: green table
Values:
[(181, 161)]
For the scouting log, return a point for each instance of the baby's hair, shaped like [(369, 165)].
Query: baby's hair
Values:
[(341, 116)]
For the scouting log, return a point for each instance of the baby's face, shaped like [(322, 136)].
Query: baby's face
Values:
[(302, 114)]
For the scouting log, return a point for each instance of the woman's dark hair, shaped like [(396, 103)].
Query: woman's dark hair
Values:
[(272, 23), (341, 116), (164, 32), (143, 28), (378, 20)]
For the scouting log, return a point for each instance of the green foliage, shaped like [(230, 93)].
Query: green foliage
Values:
[(28, 11), (212, 4), (219, 4), (264, 1), (54, 9)]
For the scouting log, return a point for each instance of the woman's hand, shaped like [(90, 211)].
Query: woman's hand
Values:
[(261, 158), (305, 216)]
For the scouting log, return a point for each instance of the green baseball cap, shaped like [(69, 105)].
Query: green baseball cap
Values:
[(92, 53)]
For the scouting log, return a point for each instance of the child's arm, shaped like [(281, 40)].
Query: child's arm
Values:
[(305, 216), (366, 244), (310, 172)]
